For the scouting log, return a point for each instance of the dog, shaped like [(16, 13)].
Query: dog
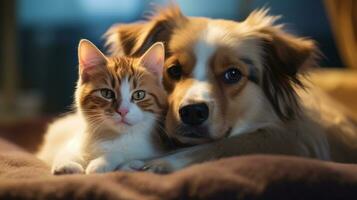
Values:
[(238, 88)]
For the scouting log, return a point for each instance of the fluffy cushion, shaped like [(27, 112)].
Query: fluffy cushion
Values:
[(23, 176)]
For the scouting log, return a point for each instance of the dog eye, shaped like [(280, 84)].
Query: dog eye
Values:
[(232, 75), (138, 95), (108, 94), (174, 71)]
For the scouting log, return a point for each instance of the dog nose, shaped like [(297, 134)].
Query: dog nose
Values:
[(194, 114)]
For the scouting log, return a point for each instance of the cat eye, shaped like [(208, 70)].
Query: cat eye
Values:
[(108, 94), (232, 75), (138, 95), (174, 71)]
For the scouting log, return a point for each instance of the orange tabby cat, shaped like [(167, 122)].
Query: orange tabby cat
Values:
[(120, 102)]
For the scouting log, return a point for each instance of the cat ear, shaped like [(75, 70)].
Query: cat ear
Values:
[(89, 56), (154, 58)]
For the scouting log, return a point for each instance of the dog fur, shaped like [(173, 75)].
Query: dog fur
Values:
[(271, 110)]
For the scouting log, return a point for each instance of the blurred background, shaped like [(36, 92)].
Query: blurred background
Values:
[(38, 60)]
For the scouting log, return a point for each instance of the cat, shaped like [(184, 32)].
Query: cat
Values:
[(119, 105)]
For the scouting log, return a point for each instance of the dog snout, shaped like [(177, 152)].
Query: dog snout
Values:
[(194, 114)]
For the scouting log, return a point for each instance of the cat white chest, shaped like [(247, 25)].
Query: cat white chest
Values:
[(136, 143)]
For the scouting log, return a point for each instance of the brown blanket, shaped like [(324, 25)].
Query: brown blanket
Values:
[(22, 176)]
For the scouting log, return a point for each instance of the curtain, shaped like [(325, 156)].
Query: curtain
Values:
[(343, 18)]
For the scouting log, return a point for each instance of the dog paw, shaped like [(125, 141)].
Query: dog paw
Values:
[(99, 165), (155, 166), (158, 167), (68, 167), (132, 166)]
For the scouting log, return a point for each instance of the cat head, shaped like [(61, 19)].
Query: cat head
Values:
[(120, 92)]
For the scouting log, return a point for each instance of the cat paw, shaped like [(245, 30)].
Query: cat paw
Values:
[(68, 167), (98, 165)]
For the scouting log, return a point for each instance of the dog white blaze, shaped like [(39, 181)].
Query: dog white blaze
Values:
[(200, 90)]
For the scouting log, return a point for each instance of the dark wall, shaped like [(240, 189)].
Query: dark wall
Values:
[(50, 30)]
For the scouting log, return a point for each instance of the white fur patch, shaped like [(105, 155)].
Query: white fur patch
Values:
[(204, 49), (200, 90), (60, 135), (135, 143), (125, 92), (135, 114)]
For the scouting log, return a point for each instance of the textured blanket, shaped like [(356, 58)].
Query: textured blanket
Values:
[(23, 176)]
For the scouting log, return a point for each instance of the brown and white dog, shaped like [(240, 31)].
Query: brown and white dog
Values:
[(235, 88)]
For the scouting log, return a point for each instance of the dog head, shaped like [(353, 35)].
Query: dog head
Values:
[(223, 77)]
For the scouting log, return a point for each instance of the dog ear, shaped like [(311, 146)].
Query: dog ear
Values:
[(134, 39), (284, 55), (288, 53)]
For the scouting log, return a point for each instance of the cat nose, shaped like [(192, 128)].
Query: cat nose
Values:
[(123, 111)]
